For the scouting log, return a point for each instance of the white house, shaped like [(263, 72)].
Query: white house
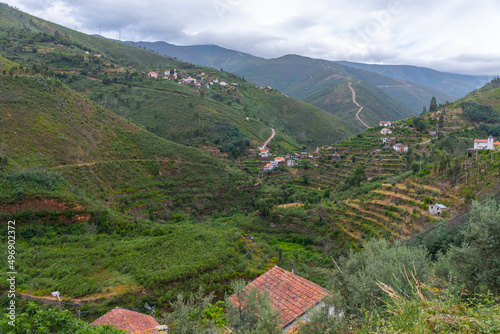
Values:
[(400, 147), (386, 123), (386, 131), (484, 144), (153, 75), (291, 163), (389, 140), (264, 153), (268, 166), (436, 209)]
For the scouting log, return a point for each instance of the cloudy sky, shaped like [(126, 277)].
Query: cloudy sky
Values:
[(449, 35)]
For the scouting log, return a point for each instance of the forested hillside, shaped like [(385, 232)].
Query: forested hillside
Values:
[(232, 115), (128, 189)]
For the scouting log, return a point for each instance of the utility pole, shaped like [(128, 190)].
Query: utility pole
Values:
[(99, 30)]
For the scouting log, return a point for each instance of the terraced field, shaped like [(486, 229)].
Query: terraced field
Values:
[(393, 211)]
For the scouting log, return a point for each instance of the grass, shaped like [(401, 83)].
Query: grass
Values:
[(428, 309)]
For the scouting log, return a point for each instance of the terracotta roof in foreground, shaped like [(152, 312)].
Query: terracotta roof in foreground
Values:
[(130, 321), (289, 293)]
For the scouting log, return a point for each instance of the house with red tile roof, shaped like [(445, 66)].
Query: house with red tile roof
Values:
[(291, 294), (130, 321), (268, 166), (484, 144), (264, 153), (386, 123)]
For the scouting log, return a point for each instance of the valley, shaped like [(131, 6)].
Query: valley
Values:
[(136, 179)]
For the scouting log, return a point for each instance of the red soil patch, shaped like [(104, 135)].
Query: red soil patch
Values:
[(37, 205)]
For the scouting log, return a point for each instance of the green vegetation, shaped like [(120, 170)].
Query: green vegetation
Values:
[(117, 79), (476, 262), (385, 288), (480, 113), (36, 319), (118, 202)]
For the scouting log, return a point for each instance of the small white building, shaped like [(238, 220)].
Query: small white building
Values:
[(389, 140), (268, 166), (386, 123), (291, 163), (436, 209), (264, 153), (386, 131), (400, 147)]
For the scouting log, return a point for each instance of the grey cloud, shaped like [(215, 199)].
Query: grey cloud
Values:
[(425, 33)]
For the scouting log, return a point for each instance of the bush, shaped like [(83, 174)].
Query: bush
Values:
[(476, 262), (480, 112), (35, 319), (379, 262)]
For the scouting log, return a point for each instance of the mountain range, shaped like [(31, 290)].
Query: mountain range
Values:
[(307, 79)]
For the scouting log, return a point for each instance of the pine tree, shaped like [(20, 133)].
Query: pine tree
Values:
[(433, 105)]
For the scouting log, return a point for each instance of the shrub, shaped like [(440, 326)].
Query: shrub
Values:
[(379, 262)]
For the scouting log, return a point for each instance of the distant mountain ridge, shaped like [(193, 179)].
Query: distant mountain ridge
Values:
[(321, 83), (406, 88), (457, 85)]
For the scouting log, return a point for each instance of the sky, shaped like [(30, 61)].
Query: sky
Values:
[(459, 36)]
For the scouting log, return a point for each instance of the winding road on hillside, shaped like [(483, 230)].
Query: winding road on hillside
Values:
[(356, 103), (268, 140)]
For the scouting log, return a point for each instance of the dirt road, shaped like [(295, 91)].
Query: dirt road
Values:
[(356, 103)]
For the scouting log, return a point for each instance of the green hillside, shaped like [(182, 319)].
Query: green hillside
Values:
[(48, 125), (323, 84), (192, 115), (205, 55), (410, 85), (37, 30), (410, 93), (367, 96), (75, 174)]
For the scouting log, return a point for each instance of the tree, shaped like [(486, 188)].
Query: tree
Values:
[(380, 262), (251, 311), (433, 105), (441, 121), (357, 176), (35, 319), (420, 124), (305, 179), (195, 314), (265, 207), (477, 263)]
